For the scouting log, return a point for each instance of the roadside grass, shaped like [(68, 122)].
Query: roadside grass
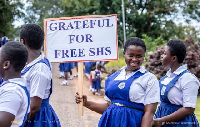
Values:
[(197, 109)]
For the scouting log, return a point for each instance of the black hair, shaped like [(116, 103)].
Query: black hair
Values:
[(177, 48), (33, 34), (16, 53), (134, 41)]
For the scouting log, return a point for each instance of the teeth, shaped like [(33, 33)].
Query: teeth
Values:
[(133, 64)]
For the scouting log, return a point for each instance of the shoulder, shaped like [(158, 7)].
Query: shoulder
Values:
[(187, 78)]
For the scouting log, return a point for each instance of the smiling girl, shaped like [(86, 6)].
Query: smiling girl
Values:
[(132, 93)]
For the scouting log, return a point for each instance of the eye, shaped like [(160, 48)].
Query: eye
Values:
[(139, 56)]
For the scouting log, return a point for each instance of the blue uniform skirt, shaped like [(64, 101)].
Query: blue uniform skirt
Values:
[(76, 64), (66, 66), (46, 117), (118, 116), (97, 84), (165, 109)]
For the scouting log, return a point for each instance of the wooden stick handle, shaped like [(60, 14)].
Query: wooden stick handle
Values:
[(80, 87)]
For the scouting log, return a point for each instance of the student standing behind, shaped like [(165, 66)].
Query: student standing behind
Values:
[(15, 99), (178, 88), (96, 76), (67, 69), (132, 92), (39, 76)]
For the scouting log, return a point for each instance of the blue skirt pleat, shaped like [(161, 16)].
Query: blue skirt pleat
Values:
[(117, 116), (165, 109), (65, 66), (97, 84), (46, 117)]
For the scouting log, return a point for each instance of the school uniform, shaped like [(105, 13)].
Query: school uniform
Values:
[(66, 66), (1, 80), (178, 89), (39, 76), (75, 64), (87, 67), (128, 95), (15, 99), (96, 75)]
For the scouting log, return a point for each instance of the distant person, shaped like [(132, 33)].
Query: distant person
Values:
[(67, 69), (15, 98), (132, 93), (96, 76), (4, 40), (87, 68), (76, 66), (178, 90), (103, 64), (38, 73)]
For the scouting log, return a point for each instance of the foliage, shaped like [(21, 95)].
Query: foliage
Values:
[(38, 10), (9, 10), (152, 43), (117, 64), (154, 63)]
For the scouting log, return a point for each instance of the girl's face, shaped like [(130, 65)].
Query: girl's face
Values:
[(166, 57), (134, 57)]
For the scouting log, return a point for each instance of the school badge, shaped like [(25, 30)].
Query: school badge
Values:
[(163, 90), (121, 85)]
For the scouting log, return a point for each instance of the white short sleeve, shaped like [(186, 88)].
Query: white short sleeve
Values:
[(10, 101), (152, 93), (39, 83)]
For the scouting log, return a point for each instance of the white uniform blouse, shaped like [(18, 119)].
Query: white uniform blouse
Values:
[(185, 90), (38, 78), (14, 100), (144, 89)]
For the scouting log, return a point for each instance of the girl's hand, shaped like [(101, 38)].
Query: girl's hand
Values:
[(156, 123), (79, 99)]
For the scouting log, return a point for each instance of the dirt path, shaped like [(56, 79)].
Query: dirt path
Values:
[(63, 102)]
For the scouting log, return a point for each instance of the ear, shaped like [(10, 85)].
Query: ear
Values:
[(174, 58), (22, 41), (6, 65)]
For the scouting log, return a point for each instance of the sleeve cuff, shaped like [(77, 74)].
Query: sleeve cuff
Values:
[(8, 110), (152, 100), (189, 105)]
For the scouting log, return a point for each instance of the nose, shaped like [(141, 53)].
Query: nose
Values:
[(134, 58)]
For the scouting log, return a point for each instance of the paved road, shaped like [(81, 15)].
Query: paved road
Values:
[(63, 102)]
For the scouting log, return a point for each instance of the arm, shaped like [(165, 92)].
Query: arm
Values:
[(176, 116), (35, 106), (40, 80), (190, 87), (6, 119), (148, 115), (97, 107)]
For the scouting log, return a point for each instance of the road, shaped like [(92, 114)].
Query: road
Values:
[(63, 102)]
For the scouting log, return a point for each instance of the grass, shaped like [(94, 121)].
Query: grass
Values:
[(197, 109)]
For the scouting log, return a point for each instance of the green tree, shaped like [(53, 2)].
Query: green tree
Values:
[(155, 18), (9, 11), (38, 10)]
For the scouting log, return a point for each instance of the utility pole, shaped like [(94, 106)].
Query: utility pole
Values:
[(123, 17)]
